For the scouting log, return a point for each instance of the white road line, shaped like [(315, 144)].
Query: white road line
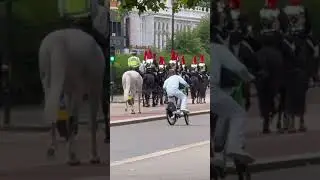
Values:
[(158, 154)]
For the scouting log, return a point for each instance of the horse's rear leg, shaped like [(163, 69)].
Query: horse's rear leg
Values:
[(73, 109), (94, 96), (302, 126), (266, 124), (279, 121), (292, 127), (53, 85), (154, 99), (139, 102)]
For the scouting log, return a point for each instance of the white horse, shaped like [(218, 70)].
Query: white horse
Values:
[(71, 62), (132, 87)]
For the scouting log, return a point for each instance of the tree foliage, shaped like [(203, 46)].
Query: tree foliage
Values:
[(157, 5), (193, 41), (186, 42)]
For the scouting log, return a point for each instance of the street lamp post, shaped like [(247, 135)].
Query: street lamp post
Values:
[(172, 26)]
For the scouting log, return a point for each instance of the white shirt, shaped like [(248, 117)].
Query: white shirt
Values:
[(172, 83)]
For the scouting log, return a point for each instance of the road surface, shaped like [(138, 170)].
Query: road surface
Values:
[(311, 172), (140, 139)]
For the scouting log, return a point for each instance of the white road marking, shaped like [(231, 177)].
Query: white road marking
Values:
[(158, 153)]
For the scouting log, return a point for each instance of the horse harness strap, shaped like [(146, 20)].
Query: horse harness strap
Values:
[(314, 47), (291, 45), (247, 45)]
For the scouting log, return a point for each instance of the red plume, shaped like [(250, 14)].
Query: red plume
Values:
[(194, 60), (272, 3), (173, 55), (202, 58), (145, 56), (183, 60), (234, 4), (162, 61), (295, 2)]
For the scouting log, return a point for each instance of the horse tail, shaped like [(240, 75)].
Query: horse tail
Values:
[(52, 69), (126, 85)]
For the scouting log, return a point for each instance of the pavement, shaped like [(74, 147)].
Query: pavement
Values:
[(30, 118), (23, 157)]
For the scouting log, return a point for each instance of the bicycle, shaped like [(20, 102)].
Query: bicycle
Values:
[(219, 172), (173, 113)]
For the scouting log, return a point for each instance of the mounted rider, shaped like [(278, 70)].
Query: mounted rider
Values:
[(173, 63), (233, 26), (162, 65), (134, 61), (194, 65), (270, 24), (149, 63), (202, 66), (299, 24)]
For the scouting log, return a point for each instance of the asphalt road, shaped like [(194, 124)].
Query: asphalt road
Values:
[(145, 138), (311, 172)]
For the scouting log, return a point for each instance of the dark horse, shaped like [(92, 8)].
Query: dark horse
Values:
[(269, 81), (162, 76), (295, 85), (149, 88), (204, 82), (194, 86)]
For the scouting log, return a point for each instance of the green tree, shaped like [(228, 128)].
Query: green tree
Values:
[(203, 32), (156, 5), (186, 42)]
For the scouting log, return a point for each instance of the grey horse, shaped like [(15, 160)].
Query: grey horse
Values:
[(71, 62)]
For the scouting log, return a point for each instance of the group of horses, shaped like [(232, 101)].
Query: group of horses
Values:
[(152, 81), (283, 69)]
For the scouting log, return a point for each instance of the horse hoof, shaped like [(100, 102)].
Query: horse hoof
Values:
[(266, 131), (51, 152), (280, 131), (291, 131), (95, 160), (139, 112), (74, 162), (133, 112), (302, 129)]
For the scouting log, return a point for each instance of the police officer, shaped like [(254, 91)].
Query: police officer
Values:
[(134, 61)]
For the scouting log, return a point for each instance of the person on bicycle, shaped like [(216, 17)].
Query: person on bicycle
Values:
[(172, 87), (222, 104)]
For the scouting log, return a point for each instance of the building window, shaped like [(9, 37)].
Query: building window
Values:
[(115, 28)]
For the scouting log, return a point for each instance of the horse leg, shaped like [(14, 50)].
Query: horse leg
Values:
[(53, 88), (279, 121), (126, 108), (139, 102), (302, 127), (132, 105), (73, 110), (292, 128), (161, 97), (266, 124), (94, 96), (154, 98)]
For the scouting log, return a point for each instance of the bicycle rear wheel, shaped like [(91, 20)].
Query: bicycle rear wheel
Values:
[(170, 120)]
